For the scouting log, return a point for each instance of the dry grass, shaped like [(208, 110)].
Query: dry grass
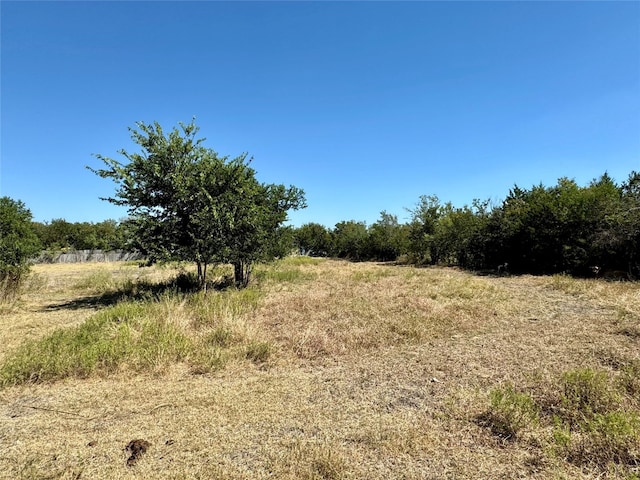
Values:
[(331, 370)]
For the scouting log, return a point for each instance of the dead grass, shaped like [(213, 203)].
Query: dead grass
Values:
[(332, 370)]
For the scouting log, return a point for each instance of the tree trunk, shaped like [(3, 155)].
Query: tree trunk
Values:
[(242, 273), (202, 275)]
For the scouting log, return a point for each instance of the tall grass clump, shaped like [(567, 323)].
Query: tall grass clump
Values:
[(11, 281), (214, 309), (286, 270), (123, 335), (299, 260), (586, 392), (97, 281), (597, 424)]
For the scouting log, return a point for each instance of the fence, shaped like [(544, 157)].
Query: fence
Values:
[(88, 256)]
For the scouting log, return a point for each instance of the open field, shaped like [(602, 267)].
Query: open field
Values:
[(320, 370)]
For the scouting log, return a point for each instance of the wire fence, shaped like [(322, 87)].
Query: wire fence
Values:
[(79, 256)]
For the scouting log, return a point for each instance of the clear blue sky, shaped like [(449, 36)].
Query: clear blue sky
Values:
[(364, 105)]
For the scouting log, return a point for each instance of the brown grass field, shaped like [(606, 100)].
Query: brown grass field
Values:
[(326, 370)]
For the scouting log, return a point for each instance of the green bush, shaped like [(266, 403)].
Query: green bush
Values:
[(18, 245), (604, 439), (585, 393), (511, 412)]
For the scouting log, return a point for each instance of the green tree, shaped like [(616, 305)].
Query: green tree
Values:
[(387, 239), (459, 232), (616, 240), (187, 203), (424, 218), (314, 239), (18, 244), (349, 240)]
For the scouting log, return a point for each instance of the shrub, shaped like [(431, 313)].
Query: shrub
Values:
[(610, 438), (511, 412), (585, 393), (18, 244)]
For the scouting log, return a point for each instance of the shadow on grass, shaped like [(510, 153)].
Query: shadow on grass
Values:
[(184, 284)]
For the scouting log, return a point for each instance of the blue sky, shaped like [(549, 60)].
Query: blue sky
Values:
[(364, 105)]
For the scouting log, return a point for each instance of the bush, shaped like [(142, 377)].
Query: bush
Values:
[(604, 439), (18, 244), (586, 393), (511, 412)]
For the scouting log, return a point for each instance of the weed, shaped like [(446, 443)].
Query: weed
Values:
[(568, 284), (282, 272), (369, 276), (510, 413), (259, 352), (215, 307), (298, 260), (220, 337), (630, 379), (604, 439), (585, 393)]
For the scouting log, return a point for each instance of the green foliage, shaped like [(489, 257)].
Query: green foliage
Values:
[(314, 239), (387, 239), (592, 418), (603, 439), (511, 412), (349, 240), (187, 203), (259, 352), (587, 392), (556, 229), (18, 244), (458, 235), (609, 437), (60, 235), (424, 220), (561, 229), (123, 334)]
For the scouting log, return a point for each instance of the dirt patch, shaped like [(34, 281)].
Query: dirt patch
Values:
[(136, 448)]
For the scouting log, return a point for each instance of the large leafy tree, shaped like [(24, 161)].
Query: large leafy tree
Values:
[(18, 244), (187, 203)]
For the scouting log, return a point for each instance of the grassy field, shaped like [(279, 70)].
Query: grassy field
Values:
[(320, 370)]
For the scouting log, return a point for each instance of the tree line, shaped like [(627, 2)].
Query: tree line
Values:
[(58, 235), (187, 203), (565, 228)]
